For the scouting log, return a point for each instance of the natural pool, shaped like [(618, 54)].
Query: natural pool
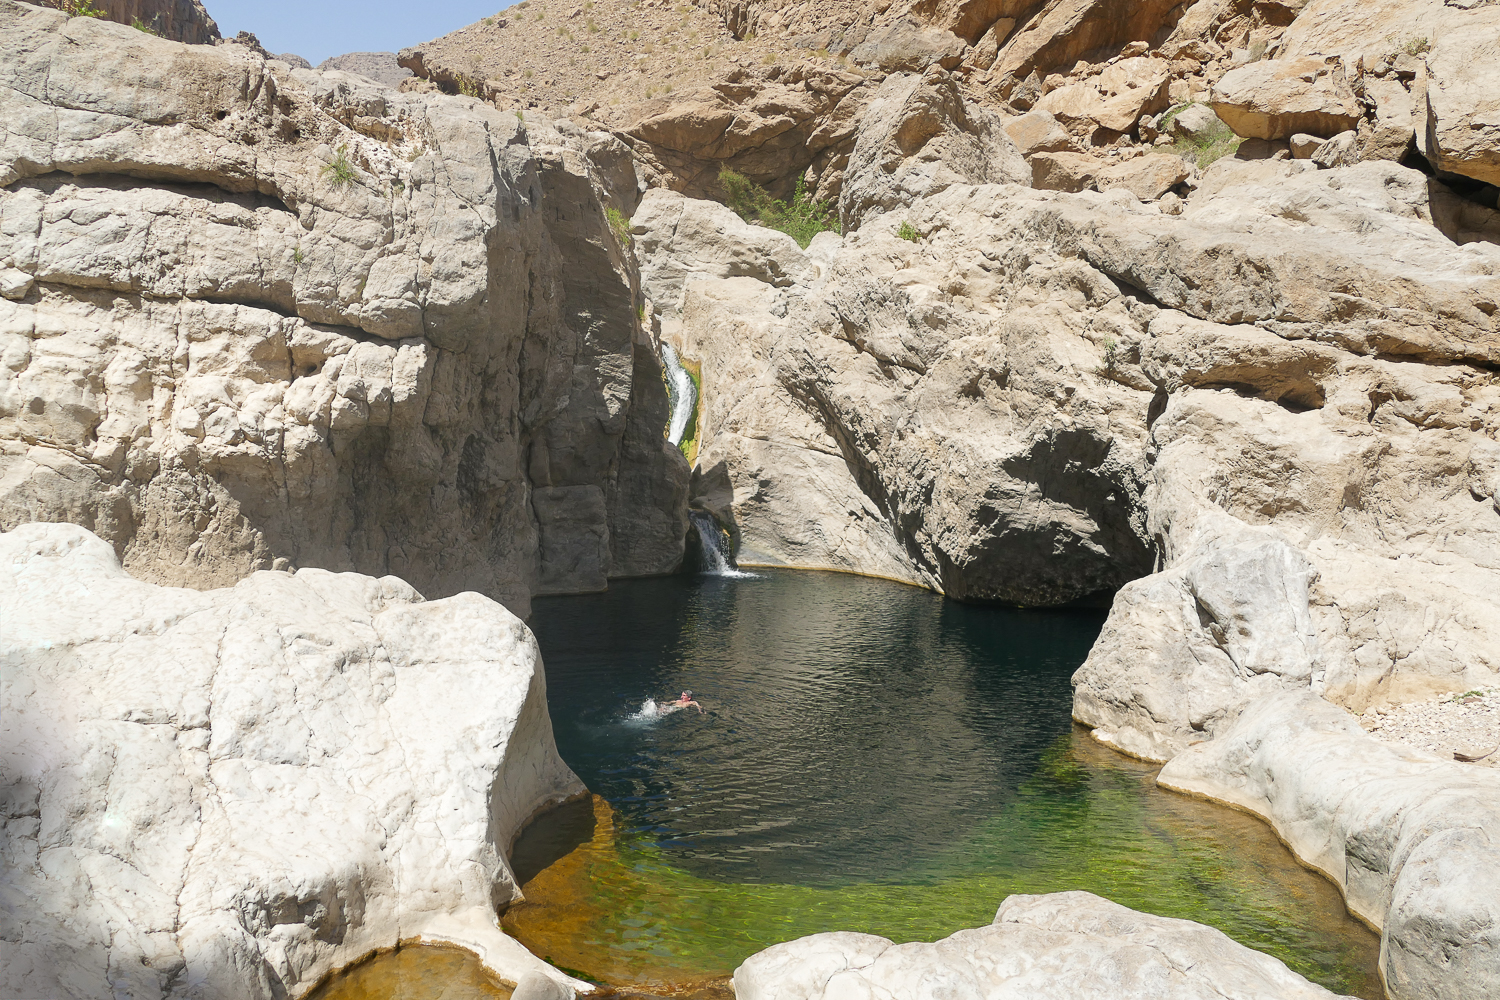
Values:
[(872, 757)]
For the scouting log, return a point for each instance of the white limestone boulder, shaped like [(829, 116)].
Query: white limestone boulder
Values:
[(1055, 947), (230, 793), (1408, 837)]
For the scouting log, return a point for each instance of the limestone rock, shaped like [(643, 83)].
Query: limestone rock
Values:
[(907, 47), (1063, 945), (1115, 99), (1063, 171), (1147, 177), (1278, 98), (273, 321), (771, 125), (1304, 145), (918, 137), (1403, 833), (1062, 31), (1040, 132), (1340, 151), (1196, 121), (179, 20), (1462, 128), (233, 793), (381, 67)]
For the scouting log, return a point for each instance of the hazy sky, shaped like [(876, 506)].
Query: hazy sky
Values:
[(317, 29)]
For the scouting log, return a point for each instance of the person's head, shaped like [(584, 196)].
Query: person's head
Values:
[(687, 696)]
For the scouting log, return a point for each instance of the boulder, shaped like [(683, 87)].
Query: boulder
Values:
[(1196, 121), (180, 20), (907, 47), (1147, 177), (1340, 151), (1304, 146), (769, 124), (1115, 99), (1278, 98), (1053, 947), (1063, 171), (1064, 31), (262, 306), (1403, 833), (1461, 132), (1040, 132), (918, 137), (236, 792)]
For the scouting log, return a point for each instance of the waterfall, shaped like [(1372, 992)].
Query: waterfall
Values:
[(681, 394), (716, 559)]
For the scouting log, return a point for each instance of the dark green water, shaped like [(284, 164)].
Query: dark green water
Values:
[(871, 757)]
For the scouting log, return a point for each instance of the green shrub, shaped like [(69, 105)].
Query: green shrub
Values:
[(689, 445), (802, 218), (619, 224), (908, 232), (1217, 144), (1111, 355), (140, 25), (80, 8), (297, 256), (339, 172)]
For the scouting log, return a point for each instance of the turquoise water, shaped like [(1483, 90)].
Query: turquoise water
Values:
[(870, 757)]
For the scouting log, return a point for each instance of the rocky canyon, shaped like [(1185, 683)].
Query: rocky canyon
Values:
[(311, 384)]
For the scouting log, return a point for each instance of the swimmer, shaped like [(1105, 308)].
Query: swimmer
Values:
[(686, 701)]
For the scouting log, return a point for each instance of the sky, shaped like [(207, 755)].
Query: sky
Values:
[(317, 29)]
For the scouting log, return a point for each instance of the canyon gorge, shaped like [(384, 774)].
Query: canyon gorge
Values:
[(314, 386)]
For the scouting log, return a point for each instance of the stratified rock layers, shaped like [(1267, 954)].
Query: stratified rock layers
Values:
[(231, 793), (255, 318)]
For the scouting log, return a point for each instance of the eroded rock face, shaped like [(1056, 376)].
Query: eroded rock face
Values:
[(179, 20), (1053, 947), (917, 137), (1407, 836), (1281, 98), (255, 318), (232, 793)]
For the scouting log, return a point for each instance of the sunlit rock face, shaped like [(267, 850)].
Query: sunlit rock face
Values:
[(232, 793), (257, 317)]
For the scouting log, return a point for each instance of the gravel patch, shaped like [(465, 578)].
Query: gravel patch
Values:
[(1467, 723)]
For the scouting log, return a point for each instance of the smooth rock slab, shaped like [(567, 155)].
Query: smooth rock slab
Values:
[(232, 793), (1409, 837), (1063, 946)]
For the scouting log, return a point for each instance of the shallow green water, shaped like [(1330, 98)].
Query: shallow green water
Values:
[(871, 758)]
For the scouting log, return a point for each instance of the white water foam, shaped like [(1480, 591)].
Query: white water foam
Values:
[(681, 394), (715, 547)]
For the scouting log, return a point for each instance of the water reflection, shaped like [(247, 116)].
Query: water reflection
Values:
[(873, 758)]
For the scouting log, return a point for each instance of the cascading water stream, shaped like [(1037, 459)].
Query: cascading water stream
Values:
[(681, 394), (716, 559)]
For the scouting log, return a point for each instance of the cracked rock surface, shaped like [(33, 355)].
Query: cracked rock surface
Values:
[(232, 793), (256, 317)]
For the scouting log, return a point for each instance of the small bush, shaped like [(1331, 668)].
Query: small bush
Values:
[(908, 232), (80, 8), (140, 25), (1111, 355), (297, 256), (469, 87), (802, 218), (1416, 46), (340, 172), (619, 224)]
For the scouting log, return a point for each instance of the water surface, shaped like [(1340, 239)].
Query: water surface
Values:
[(871, 757)]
